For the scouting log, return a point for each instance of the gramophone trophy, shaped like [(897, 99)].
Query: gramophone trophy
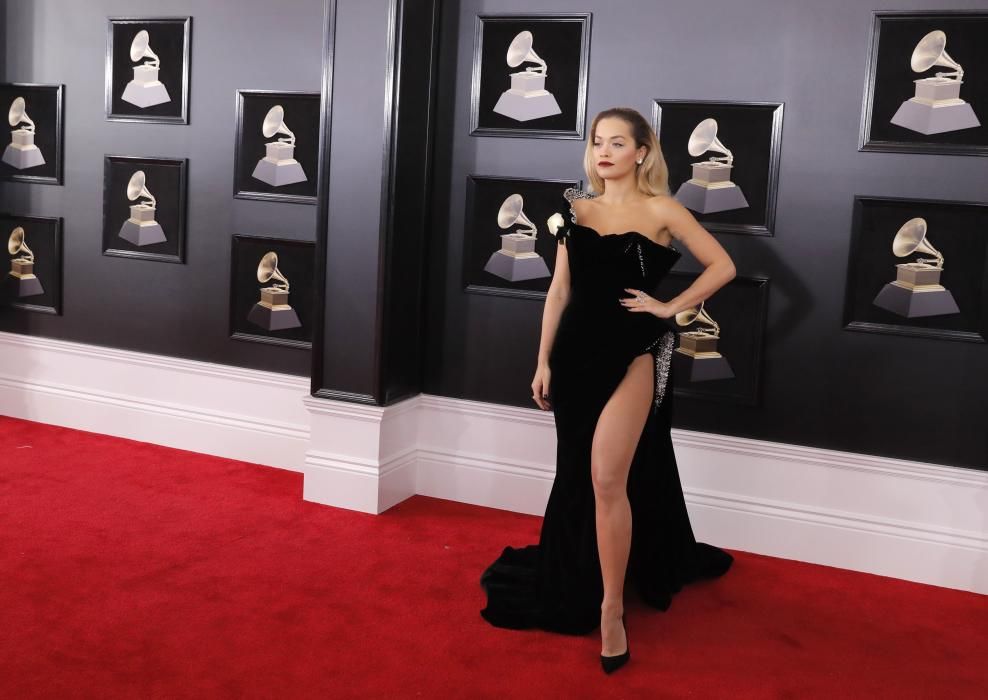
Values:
[(278, 166), (710, 189), (272, 312), (516, 260), (916, 290), (937, 106), (527, 98), (145, 90), (21, 152), (141, 229), (22, 268), (697, 357)]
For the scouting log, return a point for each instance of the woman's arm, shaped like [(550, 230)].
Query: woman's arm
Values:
[(719, 268), (555, 301)]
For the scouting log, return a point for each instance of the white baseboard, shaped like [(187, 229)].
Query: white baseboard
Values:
[(909, 520), (200, 406)]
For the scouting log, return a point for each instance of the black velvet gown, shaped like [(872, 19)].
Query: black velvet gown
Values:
[(557, 585)]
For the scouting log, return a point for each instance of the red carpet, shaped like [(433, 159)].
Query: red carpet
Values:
[(130, 570)]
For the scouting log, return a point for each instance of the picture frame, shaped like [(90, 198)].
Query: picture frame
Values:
[(272, 318), (270, 168), (909, 111), (915, 307), (147, 69), (32, 280), (132, 228), (35, 151), (741, 309), (737, 199), (490, 264), (531, 102)]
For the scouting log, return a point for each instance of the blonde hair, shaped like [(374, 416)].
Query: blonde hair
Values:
[(652, 174)]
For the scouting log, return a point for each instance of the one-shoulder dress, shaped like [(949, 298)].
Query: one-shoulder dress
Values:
[(556, 585)]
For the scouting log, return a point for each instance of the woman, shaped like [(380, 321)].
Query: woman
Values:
[(606, 357)]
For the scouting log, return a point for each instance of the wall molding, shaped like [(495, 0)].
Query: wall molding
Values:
[(910, 520), (215, 409)]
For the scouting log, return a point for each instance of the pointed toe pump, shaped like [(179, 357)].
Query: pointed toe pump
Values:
[(613, 663)]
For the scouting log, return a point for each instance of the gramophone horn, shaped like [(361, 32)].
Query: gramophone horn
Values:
[(136, 188), (18, 114), (140, 48), (697, 313), (267, 270), (911, 238), (932, 51), (520, 51), (274, 123), (511, 213), (704, 138), (16, 244)]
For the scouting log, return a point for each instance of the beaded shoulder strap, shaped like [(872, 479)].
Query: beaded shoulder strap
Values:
[(571, 194)]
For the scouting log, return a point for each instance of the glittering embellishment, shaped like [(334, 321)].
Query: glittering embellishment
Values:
[(641, 259), (662, 358), (571, 193)]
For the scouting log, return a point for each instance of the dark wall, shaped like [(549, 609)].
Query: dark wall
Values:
[(375, 242), (179, 310), (821, 385)]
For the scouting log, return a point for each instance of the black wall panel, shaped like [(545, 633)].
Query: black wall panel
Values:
[(822, 386)]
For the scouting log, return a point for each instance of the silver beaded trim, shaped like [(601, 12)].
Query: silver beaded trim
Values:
[(662, 358), (571, 193)]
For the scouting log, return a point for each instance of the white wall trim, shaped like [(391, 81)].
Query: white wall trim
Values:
[(201, 406), (893, 517)]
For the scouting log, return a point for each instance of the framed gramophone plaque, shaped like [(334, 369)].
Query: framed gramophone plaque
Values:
[(508, 249), (147, 69), (272, 291), (723, 160), (32, 150), (144, 208), (530, 75), (918, 267), (277, 146), (926, 86), (32, 274), (735, 317)]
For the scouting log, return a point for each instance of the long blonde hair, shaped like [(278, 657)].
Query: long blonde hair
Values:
[(652, 174)]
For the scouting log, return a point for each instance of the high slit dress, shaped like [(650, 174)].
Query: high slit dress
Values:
[(556, 585)]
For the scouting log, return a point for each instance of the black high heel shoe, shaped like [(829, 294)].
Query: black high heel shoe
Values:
[(613, 663)]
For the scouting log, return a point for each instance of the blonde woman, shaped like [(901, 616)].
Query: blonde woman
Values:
[(616, 512)]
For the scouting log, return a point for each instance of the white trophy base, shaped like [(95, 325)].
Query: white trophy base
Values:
[(927, 118), (279, 172), (22, 157), (916, 303), (143, 233), (517, 268), (723, 196), (524, 106), (145, 94)]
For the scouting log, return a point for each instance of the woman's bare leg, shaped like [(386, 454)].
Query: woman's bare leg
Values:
[(615, 439)]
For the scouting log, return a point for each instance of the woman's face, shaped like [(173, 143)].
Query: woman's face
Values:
[(614, 148)]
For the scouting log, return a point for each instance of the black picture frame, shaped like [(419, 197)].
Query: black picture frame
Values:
[(170, 40), (566, 51), (43, 234), (541, 198), (741, 309), (889, 80), (752, 131), (296, 260), (956, 229), (167, 180), (45, 105), (302, 116)]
